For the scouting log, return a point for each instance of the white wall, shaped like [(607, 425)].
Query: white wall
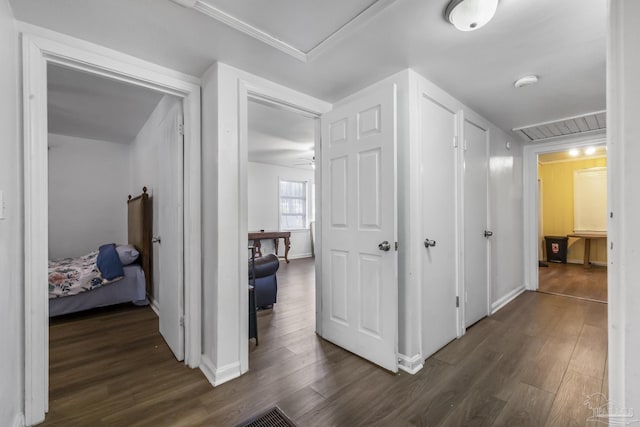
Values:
[(225, 355), (88, 188), (506, 217), (144, 169), (263, 202), (623, 108), (11, 234)]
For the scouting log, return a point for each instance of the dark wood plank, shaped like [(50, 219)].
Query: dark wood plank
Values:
[(590, 353), (477, 409), (547, 369), (528, 406), (569, 407), (574, 280), (111, 367)]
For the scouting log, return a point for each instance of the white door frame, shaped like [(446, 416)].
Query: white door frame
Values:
[(280, 99), (40, 47), (530, 190)]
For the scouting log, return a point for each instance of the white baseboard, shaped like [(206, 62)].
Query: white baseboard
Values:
[(411, 365), (154, 306), (218, 376), (507, 299), (581, 261), (18, 420)]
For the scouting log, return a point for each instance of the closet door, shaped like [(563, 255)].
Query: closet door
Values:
[(476, 233), (438, 259)]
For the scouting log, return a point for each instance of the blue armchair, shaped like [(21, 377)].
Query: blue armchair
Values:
[(266, 284)]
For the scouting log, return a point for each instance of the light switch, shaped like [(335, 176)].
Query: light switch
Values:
[(1, 204)]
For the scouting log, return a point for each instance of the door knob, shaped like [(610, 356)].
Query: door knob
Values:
[(488, 233), (429, 243), (384, 246), (156, 239)]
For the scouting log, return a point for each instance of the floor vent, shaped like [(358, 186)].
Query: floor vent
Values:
[(273, 417), (590, 122)]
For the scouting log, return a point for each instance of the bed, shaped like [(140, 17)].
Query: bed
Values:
[(90, 289)]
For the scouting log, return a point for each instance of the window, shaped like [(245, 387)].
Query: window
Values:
[(293, 205)]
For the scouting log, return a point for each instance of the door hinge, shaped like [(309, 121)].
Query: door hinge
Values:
[(396, 246), (181, 320), (181, 129), (457, 302)]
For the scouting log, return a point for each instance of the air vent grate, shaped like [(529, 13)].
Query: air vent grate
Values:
[(273, 417), (570, 126)]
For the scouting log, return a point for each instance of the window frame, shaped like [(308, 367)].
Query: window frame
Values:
[(306, 204)]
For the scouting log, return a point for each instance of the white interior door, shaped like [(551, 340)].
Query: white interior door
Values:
[(170, 228), (439, 313), (475, 223), (359, 229)]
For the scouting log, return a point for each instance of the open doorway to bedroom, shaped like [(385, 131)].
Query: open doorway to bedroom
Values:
[(281, 193), (183, 311), (115, 155), (572, 225)]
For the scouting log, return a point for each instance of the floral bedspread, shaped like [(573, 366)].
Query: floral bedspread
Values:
[(71, 276)]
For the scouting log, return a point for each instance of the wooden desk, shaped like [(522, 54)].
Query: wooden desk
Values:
[(587, 243), (257, 236)]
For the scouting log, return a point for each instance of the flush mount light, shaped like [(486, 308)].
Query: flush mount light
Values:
[(469, 15), (574, 152), (526, 81), (590, 150)]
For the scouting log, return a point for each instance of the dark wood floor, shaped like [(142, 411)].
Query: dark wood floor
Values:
[(574, 280), (531, 364)]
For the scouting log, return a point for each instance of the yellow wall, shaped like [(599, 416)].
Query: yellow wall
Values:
[(557, 205)]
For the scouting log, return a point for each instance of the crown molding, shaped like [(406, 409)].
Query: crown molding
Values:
[(304, 56)]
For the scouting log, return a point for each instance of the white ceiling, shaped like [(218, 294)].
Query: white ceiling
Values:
[(89, 106), (562, 41), (280, 137), (303, 24)]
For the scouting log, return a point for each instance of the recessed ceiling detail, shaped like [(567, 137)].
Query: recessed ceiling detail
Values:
[(302, 29), (590, 122)]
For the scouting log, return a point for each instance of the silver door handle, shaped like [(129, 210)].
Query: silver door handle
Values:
[(488, 233), (156, 240), (429, 243), (384, 246)]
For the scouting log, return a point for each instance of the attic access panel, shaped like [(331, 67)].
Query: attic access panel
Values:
[(302, 24)]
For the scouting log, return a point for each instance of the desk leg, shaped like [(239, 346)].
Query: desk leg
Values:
[(587, 251), (258, 247), (287, 246), (275, 245)]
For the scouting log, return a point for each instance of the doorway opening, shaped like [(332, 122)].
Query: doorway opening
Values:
[(115, 158), (281, 216), (572, 222), (69, 54)]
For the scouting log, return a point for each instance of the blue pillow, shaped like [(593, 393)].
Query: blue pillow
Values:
[(108, 262)]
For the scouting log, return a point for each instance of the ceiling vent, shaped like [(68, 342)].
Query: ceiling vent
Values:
[(570, 126)]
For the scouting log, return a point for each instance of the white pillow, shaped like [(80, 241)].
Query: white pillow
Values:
[(127, 254)]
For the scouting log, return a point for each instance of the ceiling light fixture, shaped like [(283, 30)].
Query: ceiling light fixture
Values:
[(526, 81), (590, 150), (574, 152), (469, 15)]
